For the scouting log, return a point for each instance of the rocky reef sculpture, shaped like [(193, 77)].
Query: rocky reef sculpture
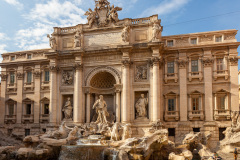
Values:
[(232, 134)]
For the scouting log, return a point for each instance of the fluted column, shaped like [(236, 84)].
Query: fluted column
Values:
[(53, 94), (156, 101), (88, 107), (118, 105), (78, 109), (125, 92)]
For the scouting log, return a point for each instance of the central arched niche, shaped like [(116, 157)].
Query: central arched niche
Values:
[(102, 83)]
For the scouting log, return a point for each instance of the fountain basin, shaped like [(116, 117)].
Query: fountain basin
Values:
[(83, 152)]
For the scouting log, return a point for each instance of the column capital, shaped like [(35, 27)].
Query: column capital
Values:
[(233, 61), (19, 75), (78, 66), (53, 68), (182, 63), (126, 62), (37, 74), (118, 88), (207, 62), (3, 77)]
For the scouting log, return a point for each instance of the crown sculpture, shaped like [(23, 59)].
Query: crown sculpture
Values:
[(103, 14)]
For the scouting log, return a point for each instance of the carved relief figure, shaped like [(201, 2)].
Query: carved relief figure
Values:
[(141, 106), (91, 17), (67, 78), (67, 109), (101, 109), (125, 34), (52, 42), (156, 30), (78, 39), (141, 73), (113, 15)]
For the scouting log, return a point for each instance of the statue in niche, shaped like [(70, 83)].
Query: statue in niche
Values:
[(101, 109), (67, 109), (141, 73), (78, 39), (52, 42), (91, 16), (113, 15), (67, 78), (156, 30), (141, 107), (125, 34)]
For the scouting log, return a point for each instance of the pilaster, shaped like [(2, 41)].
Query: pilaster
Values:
[(208, 92), (182, 63), (37, 75), (20, 106), (3, 95)]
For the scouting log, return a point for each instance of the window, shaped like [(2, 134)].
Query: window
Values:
[(221, 135), (46, 76), (12, 58), (11, 109), (46, 108), (28, 108), (195, 130), (170, 66), (171, 104), (29, 56), (27, 132), (12, 78), (194, 41), (221, 102), (171, 132), (219, 39), (195, 104), (220, 64), (170, 43), (29, 77), (194, 65)]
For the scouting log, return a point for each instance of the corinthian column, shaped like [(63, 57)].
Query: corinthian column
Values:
[(155, 90), (53, 94), (78, 110), (125, 92)]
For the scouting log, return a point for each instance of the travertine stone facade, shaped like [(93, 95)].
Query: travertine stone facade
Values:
[(190, 80)]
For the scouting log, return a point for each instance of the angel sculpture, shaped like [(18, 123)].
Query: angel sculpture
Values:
[(91, 16), (113, 15), (102, 3)]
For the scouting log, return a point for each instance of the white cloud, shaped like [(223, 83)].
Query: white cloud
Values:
[(166, 7), (3, 48), (15, 3), (45, 16), (3, 36)]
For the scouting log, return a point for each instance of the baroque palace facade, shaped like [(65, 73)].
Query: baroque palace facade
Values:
[(189, 81)]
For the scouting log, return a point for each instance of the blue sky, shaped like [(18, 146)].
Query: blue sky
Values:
[(24, 24)]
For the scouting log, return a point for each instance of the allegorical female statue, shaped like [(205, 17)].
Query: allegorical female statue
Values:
[(101, 110), (67, 109), (141, 107)]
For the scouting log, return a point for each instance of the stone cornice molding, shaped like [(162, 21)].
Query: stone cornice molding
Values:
[(3, 77), (233, 61), (207, 62), (182, 63)]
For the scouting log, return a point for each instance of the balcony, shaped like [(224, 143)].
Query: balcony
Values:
[(45, 85), (44, 118), (222, 114), (10, 119), (195, 75), (171, 76), (29, 86), (12, 87), (27, 118), (196, 115), (220, 74), (171, 115)]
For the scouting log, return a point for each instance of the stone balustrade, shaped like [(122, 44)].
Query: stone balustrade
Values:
[(171, 115), (10, 119), (196, 115)]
